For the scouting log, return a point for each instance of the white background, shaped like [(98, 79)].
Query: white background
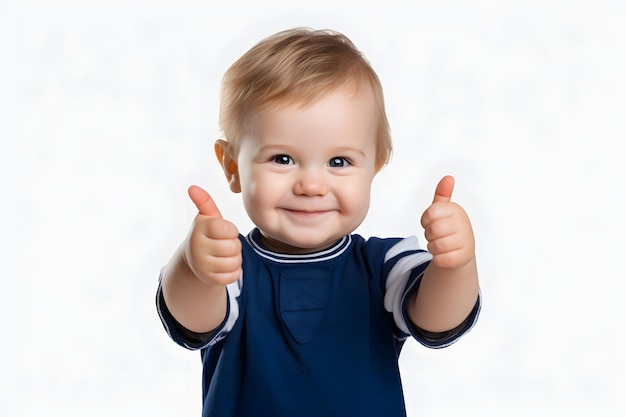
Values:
[(108, 111)]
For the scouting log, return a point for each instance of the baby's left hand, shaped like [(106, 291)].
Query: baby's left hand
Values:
[(448, 229)]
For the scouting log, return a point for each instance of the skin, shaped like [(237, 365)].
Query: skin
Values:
[(305, 179)]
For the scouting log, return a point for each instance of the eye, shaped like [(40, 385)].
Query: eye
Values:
[(282, 159), (338, 162)]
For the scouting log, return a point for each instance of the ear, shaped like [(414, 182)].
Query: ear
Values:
[(229, 165)]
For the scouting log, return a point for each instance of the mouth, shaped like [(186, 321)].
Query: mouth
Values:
[(307, 214)]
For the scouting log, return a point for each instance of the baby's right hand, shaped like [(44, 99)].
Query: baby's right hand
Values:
[(212, 249)]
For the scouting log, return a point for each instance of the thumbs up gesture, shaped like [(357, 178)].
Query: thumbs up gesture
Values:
[(447, 229), (212, 249)]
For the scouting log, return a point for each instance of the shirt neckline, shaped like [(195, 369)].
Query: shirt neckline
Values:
[(334, 251)]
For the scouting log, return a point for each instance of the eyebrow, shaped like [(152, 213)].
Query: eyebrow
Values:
[(276, 148), (343, 149), (288, 148)]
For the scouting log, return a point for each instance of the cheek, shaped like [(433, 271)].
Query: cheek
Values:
[(356, 195), (259, 191), (249, 190)]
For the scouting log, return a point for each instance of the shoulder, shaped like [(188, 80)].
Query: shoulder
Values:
[(386, 248), (382, 255)]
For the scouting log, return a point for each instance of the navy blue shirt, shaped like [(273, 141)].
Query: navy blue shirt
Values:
[(316, 334)]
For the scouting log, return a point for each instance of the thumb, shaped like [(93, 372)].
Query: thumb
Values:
[(443, 193), (203, 201)]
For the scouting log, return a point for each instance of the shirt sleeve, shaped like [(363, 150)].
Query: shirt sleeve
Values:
[(404, 266), (192, 340)]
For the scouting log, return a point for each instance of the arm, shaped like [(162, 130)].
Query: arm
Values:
[(194, 281), (449, 287)]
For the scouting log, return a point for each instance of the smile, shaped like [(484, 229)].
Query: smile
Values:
[(307, 214)]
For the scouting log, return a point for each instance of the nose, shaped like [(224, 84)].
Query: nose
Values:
[(311, 182)]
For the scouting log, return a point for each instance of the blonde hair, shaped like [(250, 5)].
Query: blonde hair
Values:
[(292, 67)]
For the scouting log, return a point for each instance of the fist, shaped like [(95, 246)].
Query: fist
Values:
[(448, 229), (212, 249)]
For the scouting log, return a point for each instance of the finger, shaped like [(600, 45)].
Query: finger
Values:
[(223, 265), (444, 245), (225, 278), (203, 201), (439, 228), (450, 260), (225, 247), (443, 193)]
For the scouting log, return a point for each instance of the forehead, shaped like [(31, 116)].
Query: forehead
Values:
[(348, 110)]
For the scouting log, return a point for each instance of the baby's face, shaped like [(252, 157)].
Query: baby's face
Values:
[(306, 173)]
